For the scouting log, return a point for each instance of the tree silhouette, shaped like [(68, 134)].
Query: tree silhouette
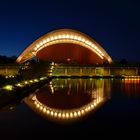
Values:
[(123, 61)]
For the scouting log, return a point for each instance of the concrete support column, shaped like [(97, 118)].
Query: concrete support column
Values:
[(81, 71), (66, 71)]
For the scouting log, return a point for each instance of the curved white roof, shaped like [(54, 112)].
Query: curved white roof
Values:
[(63, 36)]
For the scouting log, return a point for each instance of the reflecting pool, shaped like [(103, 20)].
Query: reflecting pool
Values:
[(66, 100), (73, 108)]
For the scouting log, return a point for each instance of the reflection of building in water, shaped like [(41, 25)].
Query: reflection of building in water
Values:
[(132, 86), (93, 87)]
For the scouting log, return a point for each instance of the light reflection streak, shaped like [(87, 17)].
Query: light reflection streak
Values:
[(131, 86), (132, 79), (63, 115)]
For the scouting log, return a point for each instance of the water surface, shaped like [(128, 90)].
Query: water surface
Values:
[(118, 111)]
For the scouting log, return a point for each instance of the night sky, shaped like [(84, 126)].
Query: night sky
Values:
[(114, 24)]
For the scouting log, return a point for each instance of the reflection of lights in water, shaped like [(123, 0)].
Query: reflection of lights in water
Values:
[(132, 79), (131, 86), (52, 89), (94, 89), (63, 114)]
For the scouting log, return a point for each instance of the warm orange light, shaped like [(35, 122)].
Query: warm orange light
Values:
[(65, 114), (63, 36)]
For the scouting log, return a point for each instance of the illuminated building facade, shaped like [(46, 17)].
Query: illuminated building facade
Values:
[(66, 46)]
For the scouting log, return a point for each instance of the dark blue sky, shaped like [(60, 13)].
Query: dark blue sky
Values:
[(114, 24)]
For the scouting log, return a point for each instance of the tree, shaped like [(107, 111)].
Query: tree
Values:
[(123, 61)]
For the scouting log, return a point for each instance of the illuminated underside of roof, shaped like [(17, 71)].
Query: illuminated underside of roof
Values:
[(49, 44)]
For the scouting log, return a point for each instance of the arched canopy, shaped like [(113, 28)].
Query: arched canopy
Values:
[(63, 45)]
